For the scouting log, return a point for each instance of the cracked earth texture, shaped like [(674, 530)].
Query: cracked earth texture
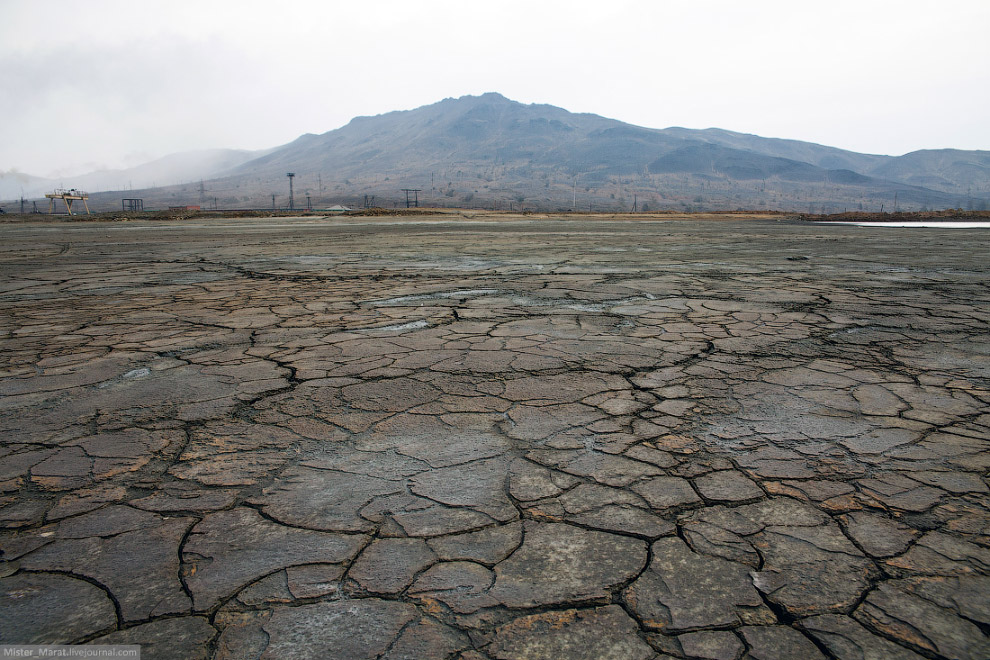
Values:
[(529, 438)]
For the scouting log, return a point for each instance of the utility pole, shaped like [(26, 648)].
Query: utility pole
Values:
[(292, 204)]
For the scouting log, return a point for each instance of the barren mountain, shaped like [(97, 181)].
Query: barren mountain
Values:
[(493, 152)]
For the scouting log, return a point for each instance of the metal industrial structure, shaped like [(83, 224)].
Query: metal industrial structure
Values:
[(132, 204), (67, 196), (292, 204), (415, 200)]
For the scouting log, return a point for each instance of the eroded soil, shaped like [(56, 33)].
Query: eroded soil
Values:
[(471, 439)]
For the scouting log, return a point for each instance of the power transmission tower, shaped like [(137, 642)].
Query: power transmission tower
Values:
[(292, 204)]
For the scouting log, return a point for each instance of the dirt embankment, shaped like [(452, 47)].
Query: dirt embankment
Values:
[(861, 216), (126, 216), (174, 215)]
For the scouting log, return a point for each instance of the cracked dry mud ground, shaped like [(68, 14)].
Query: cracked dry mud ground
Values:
[(539, 438)]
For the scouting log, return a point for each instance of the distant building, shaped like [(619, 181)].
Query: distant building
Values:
[(338, 209)]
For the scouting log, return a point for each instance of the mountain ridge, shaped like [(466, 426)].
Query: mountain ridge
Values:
[(490, 150), (179, 167)]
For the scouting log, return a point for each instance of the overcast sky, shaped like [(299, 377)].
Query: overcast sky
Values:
[(98, 83)]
